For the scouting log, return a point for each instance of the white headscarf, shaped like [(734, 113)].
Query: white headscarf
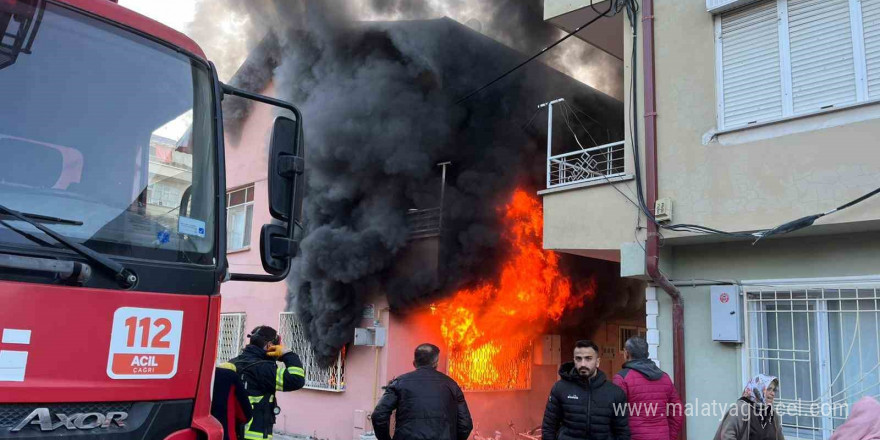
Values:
[(756, 388)]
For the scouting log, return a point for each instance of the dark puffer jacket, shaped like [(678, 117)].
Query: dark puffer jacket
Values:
[(655, 411), (429, 404), (578, 410)]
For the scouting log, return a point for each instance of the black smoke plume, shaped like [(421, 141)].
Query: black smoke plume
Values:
[(380, 112)]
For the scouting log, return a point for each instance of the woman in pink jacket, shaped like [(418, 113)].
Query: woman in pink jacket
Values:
[(863, 422)]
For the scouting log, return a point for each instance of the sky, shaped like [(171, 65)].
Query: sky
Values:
[(173, 13), (230, 50)]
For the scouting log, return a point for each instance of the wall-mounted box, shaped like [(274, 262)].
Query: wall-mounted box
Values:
[(727, 317), (370, 336)]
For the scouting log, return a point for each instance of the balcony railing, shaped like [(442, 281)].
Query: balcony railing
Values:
[(424, 223), (597, 163)]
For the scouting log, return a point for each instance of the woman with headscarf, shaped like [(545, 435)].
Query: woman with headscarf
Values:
[(863, 423), (752, 417)]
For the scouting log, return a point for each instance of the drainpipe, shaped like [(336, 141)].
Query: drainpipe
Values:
[(652, 255)]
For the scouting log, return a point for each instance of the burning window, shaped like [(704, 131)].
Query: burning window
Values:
[(231, 340), (317, 378), (493, 366), (489, 328)]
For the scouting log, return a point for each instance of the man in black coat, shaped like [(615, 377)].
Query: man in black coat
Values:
[(429, 404), (584, 405)]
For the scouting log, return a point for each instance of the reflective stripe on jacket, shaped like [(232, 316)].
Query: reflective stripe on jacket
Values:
[(262, 377)]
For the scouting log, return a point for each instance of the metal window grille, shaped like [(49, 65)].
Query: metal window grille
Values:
[(822, 343), (317, 378), (232, 332), (626, 332), (597, 163), (494, 366)]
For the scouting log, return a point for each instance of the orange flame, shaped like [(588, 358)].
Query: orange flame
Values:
[(489, 329)]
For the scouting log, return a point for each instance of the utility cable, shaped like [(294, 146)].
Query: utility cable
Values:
[(632, 10), (570, 34), (803, 222), (573, 111)]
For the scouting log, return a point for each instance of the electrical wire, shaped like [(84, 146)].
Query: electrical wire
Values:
[(574, 111), (570, 114), (568, 124), (527, 124), (632, 9), (515, 68)]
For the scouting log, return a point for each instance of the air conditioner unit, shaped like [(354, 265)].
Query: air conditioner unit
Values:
[(719, 6)]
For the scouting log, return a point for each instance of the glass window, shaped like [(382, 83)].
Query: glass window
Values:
[(239, 218), (113, 132), (778, 59)]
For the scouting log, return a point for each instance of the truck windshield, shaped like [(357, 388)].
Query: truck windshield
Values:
[(111, 132)]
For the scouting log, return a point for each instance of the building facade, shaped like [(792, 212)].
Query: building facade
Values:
[(337, 401), (766, 112)]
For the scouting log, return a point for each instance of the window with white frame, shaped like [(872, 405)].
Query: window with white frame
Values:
[(239, 217), (317, 378), (777, 59), (232, 334), (822, 343)]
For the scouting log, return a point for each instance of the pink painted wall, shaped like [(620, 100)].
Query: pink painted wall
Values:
[(343, 416), (323, 414)]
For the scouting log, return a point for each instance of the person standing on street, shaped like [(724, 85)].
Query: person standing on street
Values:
[(753, 417), (655, 410), (429, 404), (258, 368), (863, 423), (584, 405)]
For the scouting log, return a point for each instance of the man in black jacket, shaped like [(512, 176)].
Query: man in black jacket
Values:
[(429, 404), (257, 365), (584, 405)]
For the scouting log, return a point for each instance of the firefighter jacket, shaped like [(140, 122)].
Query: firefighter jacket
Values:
[(262, 377)]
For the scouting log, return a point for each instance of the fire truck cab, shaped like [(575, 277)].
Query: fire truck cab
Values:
[(113, 222)]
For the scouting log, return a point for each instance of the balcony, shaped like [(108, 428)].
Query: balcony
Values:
[(424, 223), (600, 163)]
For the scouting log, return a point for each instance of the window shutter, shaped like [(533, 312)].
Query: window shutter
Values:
[(871, 25), (822, 70), (751, 80)]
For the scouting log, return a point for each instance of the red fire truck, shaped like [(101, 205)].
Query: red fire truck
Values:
[(113, 222)]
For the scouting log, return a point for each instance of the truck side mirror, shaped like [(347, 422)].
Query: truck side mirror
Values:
[(286, 166), (279, 242), (286, 185), (276, 248)]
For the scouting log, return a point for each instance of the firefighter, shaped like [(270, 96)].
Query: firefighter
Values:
[(262, 377)]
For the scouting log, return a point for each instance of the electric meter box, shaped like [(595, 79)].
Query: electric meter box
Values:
[(727, 316), (370, 336)]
